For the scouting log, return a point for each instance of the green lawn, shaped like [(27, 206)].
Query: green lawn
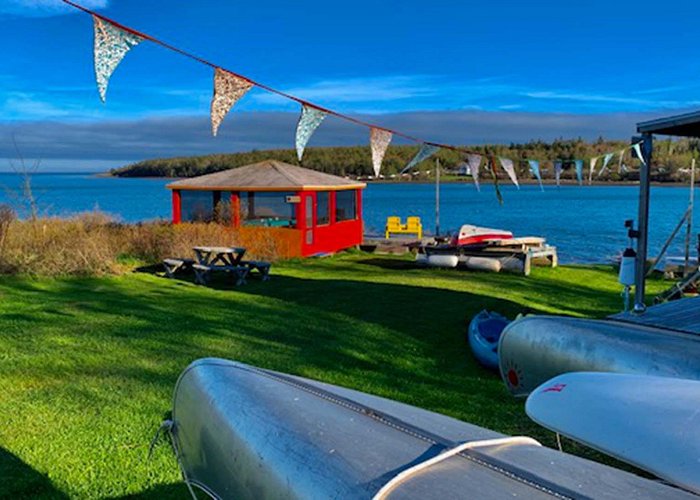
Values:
[(87, 365)]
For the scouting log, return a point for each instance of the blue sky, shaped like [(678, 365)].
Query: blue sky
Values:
[(549, 64)]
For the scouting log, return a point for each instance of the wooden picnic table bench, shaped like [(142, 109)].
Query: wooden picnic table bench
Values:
[(172, 266), (202, 273), (262, 267)]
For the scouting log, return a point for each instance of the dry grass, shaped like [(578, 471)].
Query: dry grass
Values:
[(94, 244)]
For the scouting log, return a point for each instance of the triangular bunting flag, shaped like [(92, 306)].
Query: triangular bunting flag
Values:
[(111, 45), (228, 89), (379, 141), (638, 151), (620, 166), (425, 152), (474, 162), (535, 169), (591, 169), (606, 160), (579, 171), (309, 121), (510, 170), (557, 171)]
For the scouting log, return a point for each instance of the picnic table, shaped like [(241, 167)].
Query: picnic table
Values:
[(223, 256), (226, 259)]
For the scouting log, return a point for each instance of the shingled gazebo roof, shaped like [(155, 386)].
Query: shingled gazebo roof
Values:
[(268, 175)]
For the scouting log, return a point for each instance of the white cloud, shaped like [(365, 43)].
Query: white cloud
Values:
[(44, 8), (357, 90)]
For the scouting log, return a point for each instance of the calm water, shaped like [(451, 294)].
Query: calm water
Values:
[(585, 223)]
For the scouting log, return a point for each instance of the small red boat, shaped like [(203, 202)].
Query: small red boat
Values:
[(470, 235)]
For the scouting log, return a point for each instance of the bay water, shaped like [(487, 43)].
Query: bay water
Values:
[(584, 223)]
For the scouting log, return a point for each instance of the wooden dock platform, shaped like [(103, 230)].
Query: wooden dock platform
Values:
[(680, 315)]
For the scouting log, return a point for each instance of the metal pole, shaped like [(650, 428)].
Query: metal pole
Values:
[(437, 197), (689, 225), (643, 224)]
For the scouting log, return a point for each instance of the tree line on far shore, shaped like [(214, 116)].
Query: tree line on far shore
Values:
[(671, 160)]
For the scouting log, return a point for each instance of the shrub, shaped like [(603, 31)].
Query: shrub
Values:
[(93, 243)]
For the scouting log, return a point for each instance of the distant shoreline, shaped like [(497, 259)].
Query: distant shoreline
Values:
[(501, 182)]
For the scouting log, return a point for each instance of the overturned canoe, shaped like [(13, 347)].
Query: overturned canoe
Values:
[(534, 349), (247, 433)]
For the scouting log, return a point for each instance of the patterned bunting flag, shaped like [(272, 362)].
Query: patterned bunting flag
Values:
[(606, 160), (510, 170), (557, 171), (591, 169), (474, 162), (638, 151), (228, 89), (579, 171), (379, 141), (425, 152), (111, 45), (535, 169), (309, 121)]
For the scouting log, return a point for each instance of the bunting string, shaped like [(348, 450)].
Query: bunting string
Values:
[(114, 40)]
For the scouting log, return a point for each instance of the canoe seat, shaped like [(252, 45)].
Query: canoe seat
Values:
[(172, 266)]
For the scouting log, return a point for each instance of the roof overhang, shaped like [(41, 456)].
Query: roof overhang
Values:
[(685, 125), (259, 189)]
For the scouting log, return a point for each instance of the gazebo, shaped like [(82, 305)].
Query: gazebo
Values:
[(312, 211)]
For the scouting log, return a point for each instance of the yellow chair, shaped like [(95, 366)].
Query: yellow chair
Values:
[(413, 225), (393, 225)]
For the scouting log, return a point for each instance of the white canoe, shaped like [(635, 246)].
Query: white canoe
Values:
[(649, 422), (247, 433)]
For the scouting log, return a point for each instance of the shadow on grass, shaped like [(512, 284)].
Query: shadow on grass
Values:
[(19, 480), (175, 490)]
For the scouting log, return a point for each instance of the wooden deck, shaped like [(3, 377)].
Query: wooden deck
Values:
[(680, 315)]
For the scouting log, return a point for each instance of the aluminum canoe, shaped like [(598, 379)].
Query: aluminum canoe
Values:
[(246, 433), (535, 349)]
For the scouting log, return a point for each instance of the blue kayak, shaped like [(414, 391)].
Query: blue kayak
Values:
[(484, 331)]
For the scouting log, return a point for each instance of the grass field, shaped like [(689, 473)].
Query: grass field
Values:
[(87, 365)]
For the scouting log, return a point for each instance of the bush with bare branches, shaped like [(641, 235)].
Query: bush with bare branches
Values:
[(92, 243)]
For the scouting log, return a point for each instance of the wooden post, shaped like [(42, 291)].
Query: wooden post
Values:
[(689, 221)]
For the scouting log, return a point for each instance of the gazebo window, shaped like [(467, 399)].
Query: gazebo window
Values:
[(222, 208), (323, 208), (345, 205), (196, 206), (267, 209)]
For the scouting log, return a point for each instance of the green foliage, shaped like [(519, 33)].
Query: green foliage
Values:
[(89, 364), (671, 159)]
